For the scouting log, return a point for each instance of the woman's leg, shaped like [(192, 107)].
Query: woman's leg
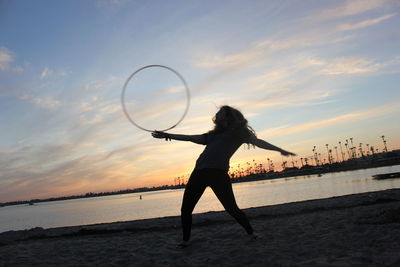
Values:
[(193, 191), (222, 187)]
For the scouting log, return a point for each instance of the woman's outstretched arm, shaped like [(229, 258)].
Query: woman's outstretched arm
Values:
[(198, 139), (265, 145)]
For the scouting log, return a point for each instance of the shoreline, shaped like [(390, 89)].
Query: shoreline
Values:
[(339, 231), (211, 217), (308, 170)]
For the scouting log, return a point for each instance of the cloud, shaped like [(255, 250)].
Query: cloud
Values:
[(352, 7), (42, 102), (391, 66), (48, 72), (341, 119), (256, 51), (106, 83), (365, 23), (290, 42), (72, 168), (255, 55), (265, 50), (301, 36), (350, 65), (174, 89), (289, 98), (343, 65), (220, 60), (46, 103), (6, 60), (45, 73), (88, 104), (268, 79)]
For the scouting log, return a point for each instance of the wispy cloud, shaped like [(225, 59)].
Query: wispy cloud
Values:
[(262, 53), (353, 7), (46, 102), (62, 167), (71, 168), (337, 120), (6, 60), (45, 73), (350, 65), (300, 38), (365, 23), (345, 65), (289, 98), (220, 60), (96, 85), (174, 89), (48, 72), (391, 66), (254, 52)]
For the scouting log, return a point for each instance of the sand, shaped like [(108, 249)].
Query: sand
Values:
[(355, 230)]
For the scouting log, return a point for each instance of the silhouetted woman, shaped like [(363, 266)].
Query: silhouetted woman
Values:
[(230, 132)]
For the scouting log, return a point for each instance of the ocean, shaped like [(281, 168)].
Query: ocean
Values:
[(167, 202)]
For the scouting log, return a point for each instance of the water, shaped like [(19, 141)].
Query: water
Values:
[(167, 203)]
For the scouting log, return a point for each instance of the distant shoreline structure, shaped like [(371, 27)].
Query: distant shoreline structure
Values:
[(376, 160)]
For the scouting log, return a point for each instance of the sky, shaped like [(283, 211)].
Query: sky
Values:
[(304, 73)]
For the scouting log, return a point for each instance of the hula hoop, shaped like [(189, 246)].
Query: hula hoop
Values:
[(155, 66)]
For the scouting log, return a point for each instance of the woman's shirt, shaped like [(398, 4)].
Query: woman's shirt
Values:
[(219, 149)]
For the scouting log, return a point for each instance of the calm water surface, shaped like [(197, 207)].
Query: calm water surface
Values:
[(167, 202)]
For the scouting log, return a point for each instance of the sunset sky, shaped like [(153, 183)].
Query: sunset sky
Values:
[(304, 73)]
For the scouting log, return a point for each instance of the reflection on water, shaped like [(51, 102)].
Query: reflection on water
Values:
[(167, 203)]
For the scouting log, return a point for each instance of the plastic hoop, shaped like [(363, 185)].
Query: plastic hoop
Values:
[(155, 66)]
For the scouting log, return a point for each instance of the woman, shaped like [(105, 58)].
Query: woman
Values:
[(230, 132)]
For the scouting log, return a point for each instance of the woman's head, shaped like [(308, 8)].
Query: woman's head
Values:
[(229, 118)]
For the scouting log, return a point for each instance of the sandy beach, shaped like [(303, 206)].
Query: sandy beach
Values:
[(354, 230)]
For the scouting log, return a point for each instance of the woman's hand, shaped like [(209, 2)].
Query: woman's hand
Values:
[(159, 134), (287, 153)]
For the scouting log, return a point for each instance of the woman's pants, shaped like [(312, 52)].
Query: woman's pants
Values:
[(220, 183)]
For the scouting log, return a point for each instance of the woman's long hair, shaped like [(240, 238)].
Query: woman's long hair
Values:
[(235, 122)]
